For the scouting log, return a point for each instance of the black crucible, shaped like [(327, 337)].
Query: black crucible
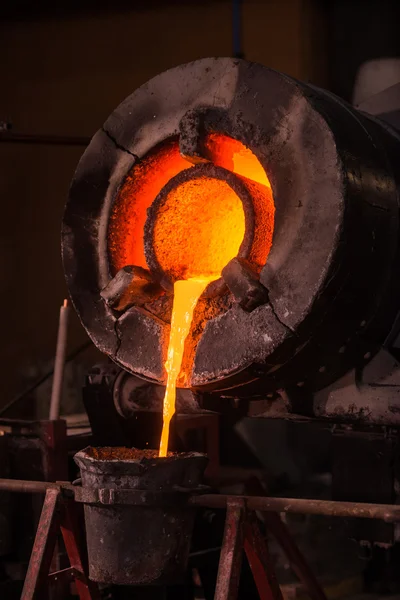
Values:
[(138, 523)]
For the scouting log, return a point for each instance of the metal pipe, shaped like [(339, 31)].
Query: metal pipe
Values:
[(56, 392), (329, 508), (26, 487), (53, 140)]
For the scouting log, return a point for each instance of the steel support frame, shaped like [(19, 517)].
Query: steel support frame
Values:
[(58, 513), (242, 534)]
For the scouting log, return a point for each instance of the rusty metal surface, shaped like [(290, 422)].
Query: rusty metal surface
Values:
[(71, 531), (43, 548), (386, 512), (39, 452), (242, 531), (260, 561), (230, 562), (363, 510), (57, 513), (26, 487)]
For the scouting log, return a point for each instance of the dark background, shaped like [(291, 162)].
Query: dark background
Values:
[(65, 66)]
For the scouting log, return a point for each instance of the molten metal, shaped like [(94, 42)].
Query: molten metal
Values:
[(199, 229), (147, 178), (234, 156), (129, 213), (186, 294)]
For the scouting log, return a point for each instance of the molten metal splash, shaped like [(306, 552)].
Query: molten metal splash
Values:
[(186, 294)]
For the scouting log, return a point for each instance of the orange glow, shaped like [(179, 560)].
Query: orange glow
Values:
[(149, 175), (199, 229), (129, 213), (234, 156), (186, 294)]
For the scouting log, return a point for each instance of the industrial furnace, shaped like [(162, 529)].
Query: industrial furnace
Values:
[(290, 194), (231, 235)]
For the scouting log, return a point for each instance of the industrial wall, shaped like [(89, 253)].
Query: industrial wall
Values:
[(63, 74)]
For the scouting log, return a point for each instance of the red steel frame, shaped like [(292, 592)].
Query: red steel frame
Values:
[(242, 533), (58, 513)]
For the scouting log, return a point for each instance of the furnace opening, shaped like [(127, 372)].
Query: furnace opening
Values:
[(147, 178), (181, 221), (199, 226)]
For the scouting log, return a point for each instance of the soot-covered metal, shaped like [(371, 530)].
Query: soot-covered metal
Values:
[(331, 282)]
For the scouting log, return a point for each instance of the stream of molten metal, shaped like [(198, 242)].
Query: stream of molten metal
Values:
[(186, 294), (193, 257)]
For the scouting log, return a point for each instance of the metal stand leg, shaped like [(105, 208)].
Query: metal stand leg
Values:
[(260, 561), (284, 538), (57, 513), (43, 548), (230, 562), (87, 590), (242, 532)]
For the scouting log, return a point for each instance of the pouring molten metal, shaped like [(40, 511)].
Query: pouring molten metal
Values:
[(199, 227)]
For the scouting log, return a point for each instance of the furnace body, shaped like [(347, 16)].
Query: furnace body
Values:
[(310, 307)]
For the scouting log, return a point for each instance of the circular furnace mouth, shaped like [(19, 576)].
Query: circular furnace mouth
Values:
[(199, 221), (182, 220)]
